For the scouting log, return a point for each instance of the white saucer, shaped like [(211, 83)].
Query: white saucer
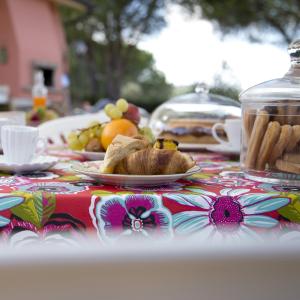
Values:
[(191, 147), (220, 148), (38, 164), (91, 155), (91, 169)]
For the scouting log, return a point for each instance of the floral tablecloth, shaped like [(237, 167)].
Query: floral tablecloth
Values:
[(59, 205)]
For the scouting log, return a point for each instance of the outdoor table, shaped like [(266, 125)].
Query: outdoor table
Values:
[(59, 204)]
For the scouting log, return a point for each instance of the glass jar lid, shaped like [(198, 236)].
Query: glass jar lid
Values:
[(285, 88), (200, 105)]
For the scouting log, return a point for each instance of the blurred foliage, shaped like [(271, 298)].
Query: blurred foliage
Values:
[(226, 90), (104, 58), (105, 61), (224, 84), (149, 91), (258, 17), (218, 87)]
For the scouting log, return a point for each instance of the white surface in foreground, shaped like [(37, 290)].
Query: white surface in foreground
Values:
[(147, 271), (93, 250)]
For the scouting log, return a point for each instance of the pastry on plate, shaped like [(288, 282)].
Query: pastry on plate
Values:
[(136, 156), (121, 147), (192, 131)]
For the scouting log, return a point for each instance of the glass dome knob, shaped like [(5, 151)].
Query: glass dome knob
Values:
[(294, 51), (201, 88)]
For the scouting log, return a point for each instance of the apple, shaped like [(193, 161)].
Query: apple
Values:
[(132, 114)]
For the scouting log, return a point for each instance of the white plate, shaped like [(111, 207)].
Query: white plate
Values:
[(91, 155), (91, 169), (219, 148), (191, 147), (38, 164)]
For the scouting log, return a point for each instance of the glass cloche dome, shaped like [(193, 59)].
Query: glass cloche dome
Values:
[(190, 117), (271, 127)]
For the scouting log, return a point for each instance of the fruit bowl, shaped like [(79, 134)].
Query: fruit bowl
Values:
[(37, 116), (124, 118)]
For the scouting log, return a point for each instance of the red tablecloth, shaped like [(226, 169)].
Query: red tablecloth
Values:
[(61, 205)]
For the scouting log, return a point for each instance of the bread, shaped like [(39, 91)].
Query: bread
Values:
[(195, 131), (151, 161), (136, 156), (120, 147)]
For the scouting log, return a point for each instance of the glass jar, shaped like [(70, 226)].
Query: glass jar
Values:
[(189, 118), (271, 127)]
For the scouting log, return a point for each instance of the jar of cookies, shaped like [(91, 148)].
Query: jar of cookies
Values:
[(271, 127)]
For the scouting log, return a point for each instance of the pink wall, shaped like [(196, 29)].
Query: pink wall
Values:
[(9, 74), (39, 37)]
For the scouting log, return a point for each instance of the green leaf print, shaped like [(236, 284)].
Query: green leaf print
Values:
[(36, 209), (101, 193), (292, 211)]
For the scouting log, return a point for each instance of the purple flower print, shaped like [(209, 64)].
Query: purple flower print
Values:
[(132, 215), (226, 211), (233, 210)]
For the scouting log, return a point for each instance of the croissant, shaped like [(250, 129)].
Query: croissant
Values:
[(120, 148), (151, 161)]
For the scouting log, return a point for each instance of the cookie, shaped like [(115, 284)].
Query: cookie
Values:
[(248, 122), (291, 117), (257, 134), (270, 138), (295, 138), (292, 157), (288, 167), (281, 144), (281, 115)]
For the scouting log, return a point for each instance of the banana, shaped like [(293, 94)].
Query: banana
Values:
[(165, 144)]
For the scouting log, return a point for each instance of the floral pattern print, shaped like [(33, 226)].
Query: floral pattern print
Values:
[(217, 166), (137, 216), (234, 210), (279, 188), (52, 187), (60, 229), (41, 175), (217, 203), (7, 202), (162, 188), (226, 179), (13, 181)]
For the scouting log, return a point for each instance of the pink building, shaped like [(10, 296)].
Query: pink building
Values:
[(32, 38)]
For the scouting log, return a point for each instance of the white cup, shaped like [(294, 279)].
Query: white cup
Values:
[(233, 128), (4, 121), (20, 143), (15, 117)]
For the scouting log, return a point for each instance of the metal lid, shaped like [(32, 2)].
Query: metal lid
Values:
[(294, 51)]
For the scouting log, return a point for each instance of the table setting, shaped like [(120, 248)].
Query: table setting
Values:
[(71, 198), (203, 168)]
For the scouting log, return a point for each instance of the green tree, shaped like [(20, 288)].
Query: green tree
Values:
[(110, 33), (256, 18), (224, 89), (142, 84), (149, 91)]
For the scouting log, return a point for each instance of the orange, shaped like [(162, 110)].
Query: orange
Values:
[(115, 127)]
